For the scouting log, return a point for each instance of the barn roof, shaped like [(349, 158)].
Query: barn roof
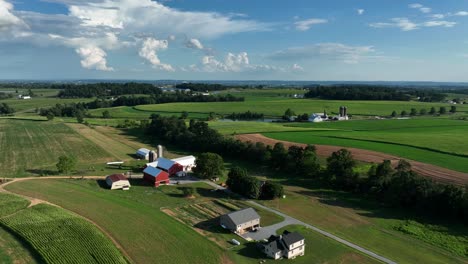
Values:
[(164, 163), (152, 171), (185, 161), (242, 216), (117, 177)]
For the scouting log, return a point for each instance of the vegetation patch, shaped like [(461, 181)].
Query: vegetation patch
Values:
[(436, 235), (10, 203)]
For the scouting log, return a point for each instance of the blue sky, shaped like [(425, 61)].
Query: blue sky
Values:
[(234, 40)]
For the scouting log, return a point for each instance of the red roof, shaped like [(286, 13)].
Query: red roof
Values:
[(117, 177)]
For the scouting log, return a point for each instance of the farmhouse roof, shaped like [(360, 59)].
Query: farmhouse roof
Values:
[(276, 245), (242, 216), (185, 161), (291, 238), (152, 171), (117, 177), (164, 163)]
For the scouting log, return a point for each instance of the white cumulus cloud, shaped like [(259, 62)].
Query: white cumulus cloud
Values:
[(93, 58), (421, 8), (305, 25), (7, 18), (149, 50), (360, 11), (194, 44)]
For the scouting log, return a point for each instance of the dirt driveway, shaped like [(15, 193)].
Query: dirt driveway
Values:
[(424, 169)]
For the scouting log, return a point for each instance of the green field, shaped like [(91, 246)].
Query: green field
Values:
[(153, 233), (276, 108), (61, 237), (440, 142)]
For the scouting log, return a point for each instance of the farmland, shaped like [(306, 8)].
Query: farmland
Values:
[(60, 237), (140, 208)]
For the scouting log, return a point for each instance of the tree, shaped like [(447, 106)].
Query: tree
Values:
[(184, 115), (403, 166), (413, 112), (432, 111), (65, 164), (50, 116), (188, 191), (442, 110), (209, 165), (380, 176), (340, 167), (404, 113), (394, 113), (271, 190), (106, 114), (423, 111), (79, 117), (289, 112), (279, 156), (453, 109)]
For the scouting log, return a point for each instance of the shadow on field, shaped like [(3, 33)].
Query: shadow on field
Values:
[(251, 251), (102, 184), (139, 182), (42, 172), (212, 226)]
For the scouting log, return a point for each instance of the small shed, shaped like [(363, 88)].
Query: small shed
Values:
[(155, 176), (187, 162), (117, 181), (241, 221), (143, 153)]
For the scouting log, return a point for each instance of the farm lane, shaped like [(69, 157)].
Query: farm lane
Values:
[(424, 169)]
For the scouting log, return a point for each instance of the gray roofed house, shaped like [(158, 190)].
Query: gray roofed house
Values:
[(241, 221), (288, 245)]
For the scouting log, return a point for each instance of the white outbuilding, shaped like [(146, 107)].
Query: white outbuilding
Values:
[(143, 153), (117, 181)]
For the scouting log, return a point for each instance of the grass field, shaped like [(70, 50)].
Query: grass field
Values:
[(368, 224), (276, 108), (61, 237), (436, 141), (153, 233)]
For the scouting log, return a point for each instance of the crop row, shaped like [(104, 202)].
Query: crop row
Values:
[(61, 237)]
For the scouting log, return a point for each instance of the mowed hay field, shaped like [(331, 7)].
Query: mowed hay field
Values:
[(31, 146), (441, 142), (276, 108), (149, 235)]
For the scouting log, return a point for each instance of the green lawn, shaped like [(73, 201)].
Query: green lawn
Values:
[(145, 232)]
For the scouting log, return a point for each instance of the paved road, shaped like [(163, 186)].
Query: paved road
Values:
[(293, 221)]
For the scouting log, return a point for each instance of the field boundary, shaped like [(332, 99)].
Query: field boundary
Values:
[(39, 201), (438, 173)]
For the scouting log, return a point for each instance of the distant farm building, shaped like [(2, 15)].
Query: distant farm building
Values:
[(143, 153), (288, 245), (241, 221), (184, 164), (24, 97), (117, 181), (316, 117), (155, 176)]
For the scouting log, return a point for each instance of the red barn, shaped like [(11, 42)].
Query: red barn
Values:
[(169, 166), (155, 176)]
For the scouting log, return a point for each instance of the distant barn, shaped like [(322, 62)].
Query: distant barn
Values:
[(117, 181), (143, 153), (155, 176)]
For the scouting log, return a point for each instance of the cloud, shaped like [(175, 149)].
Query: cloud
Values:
[(406, 25), (305, 25), (331, 51), (403, 23), (297, 67), (93, 58), (148, 51), (360, 11), (461, 13), (438, 16), (7, 18), (421, 8), (194, 44), (232, 63)]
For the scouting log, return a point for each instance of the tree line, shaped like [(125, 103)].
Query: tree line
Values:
[(5, 95), (206, 87), (372, 92), (433, 111), (245, 116), (104, 89), (5, 109), (401, 187)]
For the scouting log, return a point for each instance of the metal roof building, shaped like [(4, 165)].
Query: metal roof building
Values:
[(241, 221)]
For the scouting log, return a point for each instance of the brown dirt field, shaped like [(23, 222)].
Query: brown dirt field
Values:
[(424, 169)]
